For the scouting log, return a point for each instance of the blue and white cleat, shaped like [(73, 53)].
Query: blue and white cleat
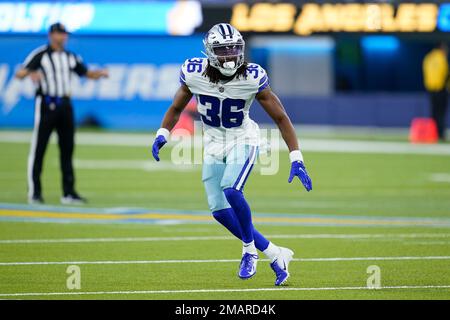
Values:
[(280, 265), (247, 268)]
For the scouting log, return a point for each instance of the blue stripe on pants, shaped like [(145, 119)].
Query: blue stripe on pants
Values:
[(245, 172)]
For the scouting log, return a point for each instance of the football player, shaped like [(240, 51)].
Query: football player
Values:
[(225, 86)]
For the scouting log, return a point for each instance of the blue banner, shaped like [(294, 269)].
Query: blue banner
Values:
[(97, 17), (144, 74)]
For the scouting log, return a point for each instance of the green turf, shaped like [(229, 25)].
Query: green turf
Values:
[(348, 184), (136, 277), (355, 184)]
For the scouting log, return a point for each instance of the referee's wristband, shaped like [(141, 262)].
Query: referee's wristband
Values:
[(163, 132), (296, 155)]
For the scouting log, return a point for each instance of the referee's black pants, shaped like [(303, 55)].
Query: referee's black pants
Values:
[(50, 114), (439, 106)]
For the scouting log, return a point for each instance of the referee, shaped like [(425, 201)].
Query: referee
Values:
[(50, 67)]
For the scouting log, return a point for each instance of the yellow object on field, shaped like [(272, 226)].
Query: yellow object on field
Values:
[(435, 70)]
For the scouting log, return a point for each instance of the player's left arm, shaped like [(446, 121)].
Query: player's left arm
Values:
[(274, 108)]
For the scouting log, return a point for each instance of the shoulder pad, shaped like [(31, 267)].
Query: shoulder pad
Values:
[(258, 76), (191, 68)]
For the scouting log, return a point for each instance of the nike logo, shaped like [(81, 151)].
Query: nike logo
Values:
[(284, 264)]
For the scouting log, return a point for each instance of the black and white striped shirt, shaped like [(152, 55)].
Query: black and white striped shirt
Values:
[(56, 68)]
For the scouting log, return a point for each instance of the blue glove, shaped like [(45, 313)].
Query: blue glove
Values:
[(160, 141), (298, 169)]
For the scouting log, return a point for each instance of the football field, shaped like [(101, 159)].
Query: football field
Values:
[(378, 203)]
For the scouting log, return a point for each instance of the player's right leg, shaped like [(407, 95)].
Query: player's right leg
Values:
[(213, 171), (240, 160), (43, 126)]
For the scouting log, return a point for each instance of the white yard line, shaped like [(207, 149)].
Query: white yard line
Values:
[(335, 259), (146, 165), (24, 294), (209, 238), (319, 145), (430, 243), (440, 177)]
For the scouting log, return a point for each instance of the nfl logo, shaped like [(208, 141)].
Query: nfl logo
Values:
[(221, 89)]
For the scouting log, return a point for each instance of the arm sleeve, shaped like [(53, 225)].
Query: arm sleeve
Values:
[(79, 67)]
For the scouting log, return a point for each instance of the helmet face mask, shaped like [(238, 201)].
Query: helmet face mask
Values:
[(224, 48), (228, 50)]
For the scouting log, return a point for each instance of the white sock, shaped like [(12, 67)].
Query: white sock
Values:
[(272, 251), (249, 248)]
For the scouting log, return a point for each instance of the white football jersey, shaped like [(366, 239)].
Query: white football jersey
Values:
[(224, 106)]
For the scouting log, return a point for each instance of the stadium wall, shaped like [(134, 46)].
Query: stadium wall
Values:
[(379, 110), (144, 76)]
